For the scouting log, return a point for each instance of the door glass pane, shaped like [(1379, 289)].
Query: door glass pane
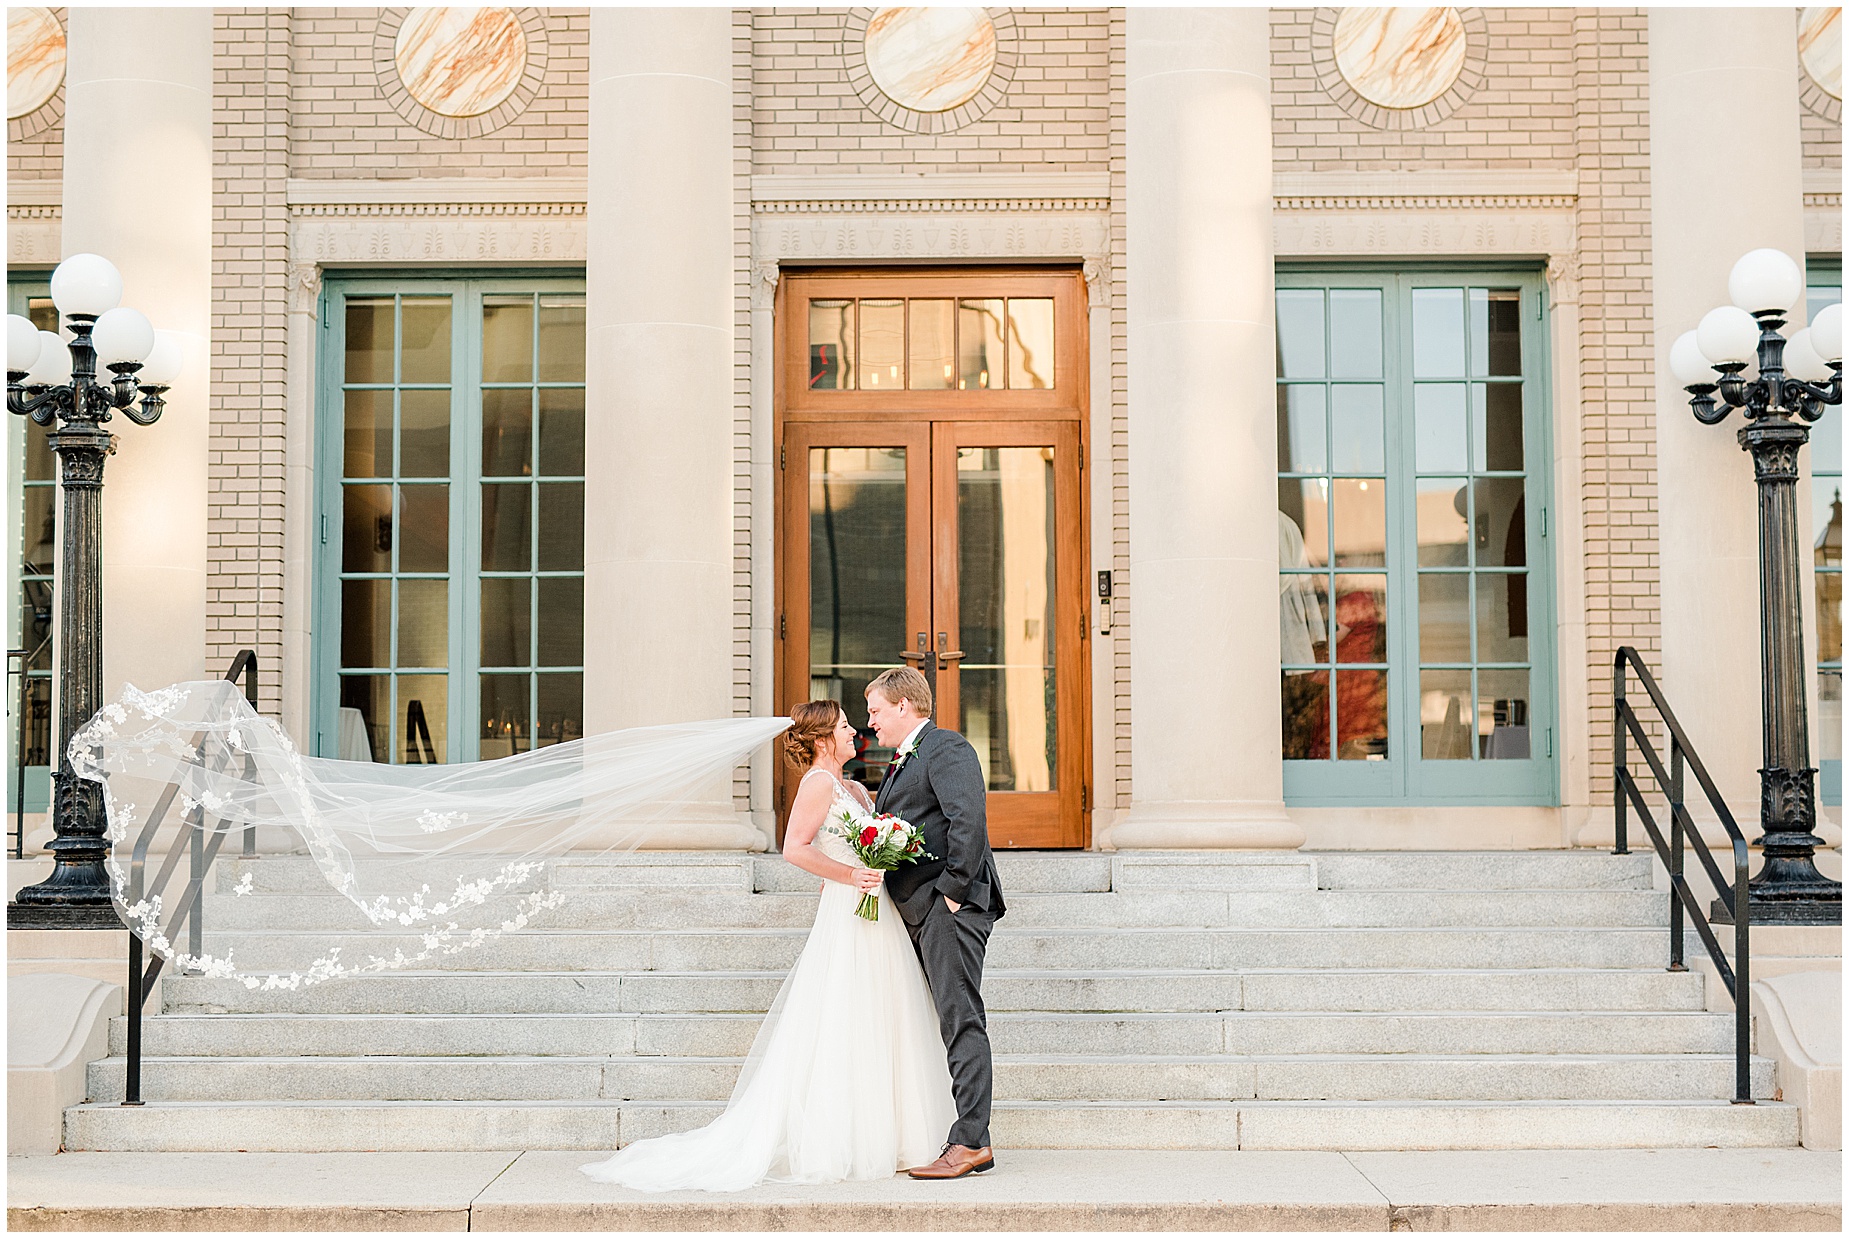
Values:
[(506, 622), (423, 719), (1304, 503), (1360, 618), (882, 345), (561, 526), (561, 621), (1030, 342), (1444, 715), (831, 345), (423, 433), (1303, 434), (979, 344), (1502, 715), (1303, 617), (1502, 617), (423, 528), (1005, 597), (561, 431), (1444, 534), (425, 327), (365, 718), (1438, 333), (507, 339), (1300, 333), (368, 446), (933, 344), (1444, 617), (507, 432), (40, 529), (1357, 428), (1502, 307), (371, 328), (505, 715), (561, 709), (1502, 534), (366, 529), (857, 539), (423, 623), (1306, 715), (506, 526), (366, 623), (1360, 522), (561, 339), (1496, 427), (1354, 333), (1439, 442), (1361, 715)]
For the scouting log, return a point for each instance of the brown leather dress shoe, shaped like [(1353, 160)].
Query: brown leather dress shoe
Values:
[(956, 1161)]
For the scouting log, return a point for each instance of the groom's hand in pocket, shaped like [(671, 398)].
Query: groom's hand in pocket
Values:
[(952, 904)]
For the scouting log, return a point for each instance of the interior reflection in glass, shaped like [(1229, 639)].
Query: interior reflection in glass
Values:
[(979, 344), (856, 583), (1030, 342), (1006, 591), (882, 345), (831, 345)]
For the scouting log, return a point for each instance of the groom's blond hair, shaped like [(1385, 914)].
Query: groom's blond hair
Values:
[(898, 684)]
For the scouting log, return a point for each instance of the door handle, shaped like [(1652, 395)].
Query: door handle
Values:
[(946, 657), (920, 656)]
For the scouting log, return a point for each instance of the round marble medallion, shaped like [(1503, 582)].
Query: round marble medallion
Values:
[(34, 60), (1399, 58), (459, 61), (1820, 47), (930, 59)]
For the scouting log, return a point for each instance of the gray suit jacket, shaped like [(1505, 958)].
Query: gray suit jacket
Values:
[(940, 790)]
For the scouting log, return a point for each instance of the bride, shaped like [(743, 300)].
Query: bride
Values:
[(847, 1076)]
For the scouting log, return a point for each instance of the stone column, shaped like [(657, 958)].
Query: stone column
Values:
[(138, 191), (1206, 762), (1725, 178), (658, 437)]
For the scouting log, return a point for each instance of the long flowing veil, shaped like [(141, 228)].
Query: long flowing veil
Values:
[(440, 858)]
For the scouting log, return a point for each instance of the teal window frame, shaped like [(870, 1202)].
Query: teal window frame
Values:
[(24, 285), (1404, 776), (1823, 278), (465, 478)]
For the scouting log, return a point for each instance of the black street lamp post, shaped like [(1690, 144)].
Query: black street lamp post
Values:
[(50, 382), (1797, 378)]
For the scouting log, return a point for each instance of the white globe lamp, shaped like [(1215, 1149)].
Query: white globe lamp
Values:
[(1728, 335), (1802, 361), (1687, 363), (86, 284), (162, 366), (1765, 281), (52, 367), (22, 344), (122, 337), (1826, 332)]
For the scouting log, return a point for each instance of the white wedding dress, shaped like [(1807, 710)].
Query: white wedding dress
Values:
[(846, 1078)]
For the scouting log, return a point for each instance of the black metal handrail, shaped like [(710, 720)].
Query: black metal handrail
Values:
[(188, 911), (1731, 906)]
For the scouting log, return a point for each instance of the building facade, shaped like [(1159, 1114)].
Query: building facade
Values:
[(1256, 422)]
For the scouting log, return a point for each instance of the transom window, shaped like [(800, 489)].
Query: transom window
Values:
[(1412, 596), (931, 343), (456, 586)]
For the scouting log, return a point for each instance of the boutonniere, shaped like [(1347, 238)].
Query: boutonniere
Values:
[(903, 755)]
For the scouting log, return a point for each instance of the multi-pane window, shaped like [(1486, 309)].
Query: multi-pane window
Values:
[(1410, 432), (37, 502), (1826, 461), (459, 582), (931, 344)]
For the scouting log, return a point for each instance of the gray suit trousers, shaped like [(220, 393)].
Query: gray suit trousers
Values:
[(951, 948)]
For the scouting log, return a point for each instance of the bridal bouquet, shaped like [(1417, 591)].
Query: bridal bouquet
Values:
[(883, 842)]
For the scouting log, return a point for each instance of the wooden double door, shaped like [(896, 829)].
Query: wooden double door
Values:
[(932, 514)]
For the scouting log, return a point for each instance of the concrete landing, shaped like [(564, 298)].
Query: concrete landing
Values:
[(1119, 1190)]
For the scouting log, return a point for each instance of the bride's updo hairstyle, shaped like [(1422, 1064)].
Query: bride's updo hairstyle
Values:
[(810, 723)]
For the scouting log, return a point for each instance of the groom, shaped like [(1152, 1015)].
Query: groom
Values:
[(950, 904)]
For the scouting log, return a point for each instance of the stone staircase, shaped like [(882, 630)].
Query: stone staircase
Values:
[(1151, 1000)]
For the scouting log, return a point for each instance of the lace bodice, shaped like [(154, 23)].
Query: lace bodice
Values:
[(827, 842)]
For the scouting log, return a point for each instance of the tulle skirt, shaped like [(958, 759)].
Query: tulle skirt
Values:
[(846, 1079)]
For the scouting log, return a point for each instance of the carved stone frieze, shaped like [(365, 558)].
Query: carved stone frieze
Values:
[(873, 238), (33, 233), (1502, 232), (406, 238)]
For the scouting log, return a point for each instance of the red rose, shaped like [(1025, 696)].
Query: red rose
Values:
[(867, 835)]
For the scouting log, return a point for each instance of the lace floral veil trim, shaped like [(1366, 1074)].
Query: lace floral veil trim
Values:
[(438, 859)]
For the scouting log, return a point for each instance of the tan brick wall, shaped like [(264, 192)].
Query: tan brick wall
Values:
[(1611, 123), (1055, 118), (41, 156), (342, 126), (1521, 116), (1823, 139), (250, 257), (1115, 714)]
